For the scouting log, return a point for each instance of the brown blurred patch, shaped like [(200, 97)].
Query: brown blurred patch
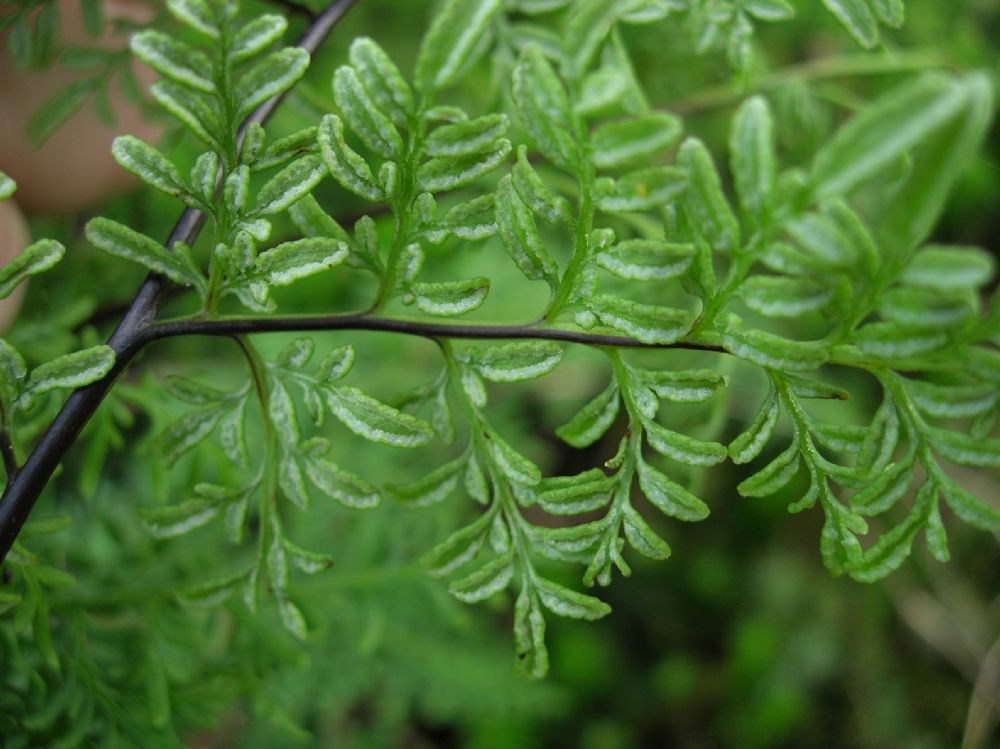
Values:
[(13, 239), (73, 169)]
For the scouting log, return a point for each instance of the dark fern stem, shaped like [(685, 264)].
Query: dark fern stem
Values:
[(26, 483), (422, 328)]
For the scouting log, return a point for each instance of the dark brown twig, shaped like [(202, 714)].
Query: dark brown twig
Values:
[(230, 326)]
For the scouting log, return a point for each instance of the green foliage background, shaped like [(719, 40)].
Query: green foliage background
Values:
[(742, 639)]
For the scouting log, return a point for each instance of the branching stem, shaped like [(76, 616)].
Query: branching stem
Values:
[(269, 496), (228, 326), (581, 250)]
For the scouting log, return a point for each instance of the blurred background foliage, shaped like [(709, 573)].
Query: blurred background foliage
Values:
[(742, 639)]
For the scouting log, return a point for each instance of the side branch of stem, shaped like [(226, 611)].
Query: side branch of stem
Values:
[(229, 326)]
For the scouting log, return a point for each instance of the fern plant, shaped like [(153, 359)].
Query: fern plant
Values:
[(632, 239)]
